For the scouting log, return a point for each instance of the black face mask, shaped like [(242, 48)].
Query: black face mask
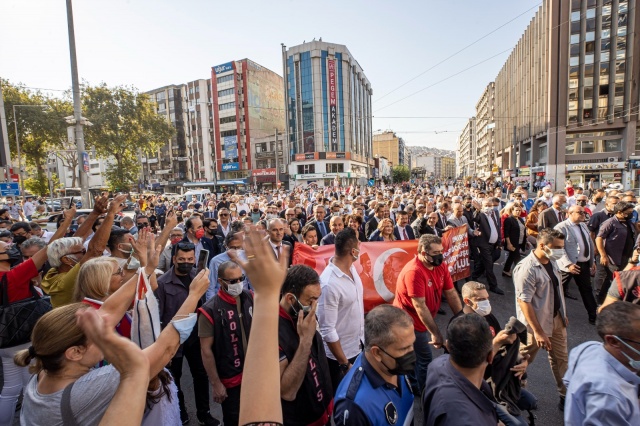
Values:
[(436, 260), (581, 203), (598, 200), (19, 239), (405, 364), (14, 257), (184, 268), (467, 205), (256, 210)]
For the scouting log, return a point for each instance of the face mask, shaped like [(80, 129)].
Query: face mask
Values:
[(483, 309), (436, 260), (233, 210), (547, 195), (487, 210), (581, 203), (598, 200), (553, 254), (176, 240), (405, 364), (467, 205), (496, 208), (565, 206), (19, 239), (184, 326), (184, 268), (304, 308), (199, 233), (235, 289), (134, 263), (633, 363)]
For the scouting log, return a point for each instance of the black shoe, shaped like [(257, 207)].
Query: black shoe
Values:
[(184, 417), (561, 404), (497, 290), (568, 295), (592, 320), (207, 420)]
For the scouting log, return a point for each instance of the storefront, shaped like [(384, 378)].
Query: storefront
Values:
[(603, 173), (264, 179), (523, 177)]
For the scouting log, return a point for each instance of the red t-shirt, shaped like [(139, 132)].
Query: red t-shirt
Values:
[(416, 281), (19, 280)]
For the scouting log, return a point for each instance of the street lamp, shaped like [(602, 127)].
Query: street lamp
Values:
[(15, 123)]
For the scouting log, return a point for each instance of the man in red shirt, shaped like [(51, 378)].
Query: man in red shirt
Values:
[(419, 292)]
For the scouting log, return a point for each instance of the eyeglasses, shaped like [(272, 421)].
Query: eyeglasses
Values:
[(119, 272), (223, 214), (235, 280), (142, 225)]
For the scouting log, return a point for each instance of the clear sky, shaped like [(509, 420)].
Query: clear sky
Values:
[(152, 43)]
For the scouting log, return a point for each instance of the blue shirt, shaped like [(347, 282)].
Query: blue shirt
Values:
[(214, 264), (528, 203), (600, 389), (365, 398), (161, 209)]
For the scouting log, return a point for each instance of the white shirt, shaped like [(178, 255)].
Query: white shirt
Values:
[(577, 229), (226, 230), (28, 208), (341, 310), (277, 251), (493, 238)]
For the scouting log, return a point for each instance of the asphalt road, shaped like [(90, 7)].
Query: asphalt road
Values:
[(540, 379)]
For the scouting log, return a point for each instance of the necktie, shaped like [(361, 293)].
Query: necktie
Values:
[(585, 242), (560, 217), (323, 230), (495, 221), (404, 233), (277, 252)]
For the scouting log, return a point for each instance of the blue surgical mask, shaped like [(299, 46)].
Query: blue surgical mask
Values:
[(633, 363), (134, 263), (184, 326)]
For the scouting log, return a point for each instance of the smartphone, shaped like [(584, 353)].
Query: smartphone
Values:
[(71, 202), (203, 259)]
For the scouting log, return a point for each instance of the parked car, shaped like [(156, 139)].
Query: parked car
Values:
[(52, 221)]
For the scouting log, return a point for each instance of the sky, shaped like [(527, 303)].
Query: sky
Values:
[(403, 46)]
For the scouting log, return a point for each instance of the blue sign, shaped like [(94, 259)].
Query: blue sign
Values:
[(230, 166), (223, 68), (85, 162), (372, 182), (9, 189), (230, 147)]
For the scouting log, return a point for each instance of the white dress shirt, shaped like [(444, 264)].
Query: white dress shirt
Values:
[(493, 238), (577, 229), (341, 310), (277, 249)]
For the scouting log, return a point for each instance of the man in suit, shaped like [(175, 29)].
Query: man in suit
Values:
[(488, 242), (442, 215), (336, 224), (578, 260), (275, 235), (553, 216), (431, 227), (372, 224), (195, 234), (318, 221), (403, 230)]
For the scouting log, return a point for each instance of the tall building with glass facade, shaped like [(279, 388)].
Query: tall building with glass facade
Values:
[(566, 99), (328, 107)]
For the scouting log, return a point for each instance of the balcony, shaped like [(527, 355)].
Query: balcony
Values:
[(268, 154)]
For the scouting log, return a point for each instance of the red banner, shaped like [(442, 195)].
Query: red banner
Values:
[(380, 263)]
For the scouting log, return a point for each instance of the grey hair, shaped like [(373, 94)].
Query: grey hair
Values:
[(619, 319), (60, 248), (33, 241), (469, 289), (177, 228), (379, 325), (224, 266), (126, 221)]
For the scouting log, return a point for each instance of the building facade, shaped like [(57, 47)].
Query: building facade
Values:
[(199, 130), (387, 144), (269, 158), (447, 168), (328, 109), (247, 103), (467, 150), (566, 100)]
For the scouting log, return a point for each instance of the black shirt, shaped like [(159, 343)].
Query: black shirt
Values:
[(557, 303)]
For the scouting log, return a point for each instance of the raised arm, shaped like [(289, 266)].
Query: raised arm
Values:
[(170, 222), (99, 241), (41, 256), (99, 207)]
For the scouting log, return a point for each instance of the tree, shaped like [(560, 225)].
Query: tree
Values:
[(400, 174), (124, 122)]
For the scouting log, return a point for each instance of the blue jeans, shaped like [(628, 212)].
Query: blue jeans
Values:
[(423, 358), (526, 402)]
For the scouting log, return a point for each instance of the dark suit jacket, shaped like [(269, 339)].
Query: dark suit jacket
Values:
[(284, 244), (208, 244), (328, 239), (442, 221), (407, 228), (548, 219), (370, 226), (433, 231), (314, 222), (512, 231), (483, 226)]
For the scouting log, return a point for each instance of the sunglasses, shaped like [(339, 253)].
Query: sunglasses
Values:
[(223, 214), (142, 225), (186, 246), (235, 280)]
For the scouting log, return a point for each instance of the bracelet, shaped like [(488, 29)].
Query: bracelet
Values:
[(344, 367)]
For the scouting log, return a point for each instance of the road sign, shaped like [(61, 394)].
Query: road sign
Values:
[(85, 162), (9, 189)]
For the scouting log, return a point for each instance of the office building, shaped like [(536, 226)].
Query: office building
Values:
[(566, 99), (248, 104), (467, 150), (485, 128), (199, 130), (447, 168), (387, 144), (328, 107), (268, 159)]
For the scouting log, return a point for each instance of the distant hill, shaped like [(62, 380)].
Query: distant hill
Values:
[(425, 150)]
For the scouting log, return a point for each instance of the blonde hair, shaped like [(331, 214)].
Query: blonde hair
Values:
[(54, 333), (94, 279), (384, 222)]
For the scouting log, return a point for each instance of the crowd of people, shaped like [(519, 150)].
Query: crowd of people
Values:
[(323, 358)]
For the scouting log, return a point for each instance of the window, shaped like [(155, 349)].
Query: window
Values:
[(575, 27), (606, 10), (228, 105), (574, 61), (225, 92), (590, 36), (591, 13), (587, 147), (575, 16), (306, 168), (622, 31), (230, 119), (588, 59), (335, 167), (543, 152), (574, 50), (575, 38), (604, 56), (527, 155), (225, 78), (570, 148), (613, 146), (623, 7), (228, 133), (591, 25)]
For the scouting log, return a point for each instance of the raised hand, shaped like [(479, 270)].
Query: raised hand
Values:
[(116, 205), (70, 213), (171, 219), (140, 245), (100, 204), (200, 283)]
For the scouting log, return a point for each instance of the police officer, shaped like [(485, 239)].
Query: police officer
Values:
[(376, 390), (223, 327), (305, 379)]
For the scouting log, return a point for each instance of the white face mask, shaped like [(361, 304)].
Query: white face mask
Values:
[(553, 254), (484, 308), (235, 289)]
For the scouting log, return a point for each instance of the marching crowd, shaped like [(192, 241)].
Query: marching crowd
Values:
[(274, 342)]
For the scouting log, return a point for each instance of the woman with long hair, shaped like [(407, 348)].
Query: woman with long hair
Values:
[(384, 231), (532, 220), (294, 225), (514, 237)]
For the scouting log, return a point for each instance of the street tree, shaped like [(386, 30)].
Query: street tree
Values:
[(400, 173), (124, 123)]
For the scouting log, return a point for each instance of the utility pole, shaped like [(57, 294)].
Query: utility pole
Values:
[(276, 152), (5, 152), (77, 110)]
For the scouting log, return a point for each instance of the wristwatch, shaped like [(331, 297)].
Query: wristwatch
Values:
[(344, 367)]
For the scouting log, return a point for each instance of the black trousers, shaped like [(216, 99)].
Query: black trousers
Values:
[(583, 282), (512, 259), (485, 264), (336, 373), (200, 380), (161, 220), (231, 407), (604, 276)]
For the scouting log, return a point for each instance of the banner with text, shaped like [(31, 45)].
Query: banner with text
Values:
[(380, 263)]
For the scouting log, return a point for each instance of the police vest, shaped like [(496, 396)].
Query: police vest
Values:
[(222, 311)]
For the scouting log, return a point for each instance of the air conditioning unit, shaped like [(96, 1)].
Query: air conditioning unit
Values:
[(612, 159)]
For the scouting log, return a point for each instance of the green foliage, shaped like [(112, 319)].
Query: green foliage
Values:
[(37, 185), (124, 123), (400, 174)]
